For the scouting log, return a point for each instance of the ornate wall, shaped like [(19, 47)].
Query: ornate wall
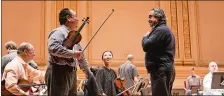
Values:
[(190, 21)]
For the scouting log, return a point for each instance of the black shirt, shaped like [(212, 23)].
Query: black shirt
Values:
[(159, 48)]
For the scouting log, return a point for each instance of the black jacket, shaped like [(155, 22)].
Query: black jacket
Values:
[(91, 88), (159, 48)]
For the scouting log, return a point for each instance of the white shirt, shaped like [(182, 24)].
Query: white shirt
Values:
[(207, 82), (17, 70)]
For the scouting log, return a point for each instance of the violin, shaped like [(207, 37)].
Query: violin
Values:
[(140, 84), (74, 37), (120, 84), (23, 84)]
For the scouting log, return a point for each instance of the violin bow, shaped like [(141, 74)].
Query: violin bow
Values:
[(29, 85), (97, 30), (132, 86)]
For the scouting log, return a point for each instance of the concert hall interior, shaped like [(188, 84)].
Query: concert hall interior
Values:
[(196, 25)]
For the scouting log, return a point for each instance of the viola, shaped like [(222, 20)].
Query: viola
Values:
[(140, 84), (74, 37), (120, 84), (23, 84)]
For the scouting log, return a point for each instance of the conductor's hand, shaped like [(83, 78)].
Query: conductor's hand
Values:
[(77, 54)]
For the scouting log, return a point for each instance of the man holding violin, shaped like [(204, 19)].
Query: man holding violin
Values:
[(61, 58)]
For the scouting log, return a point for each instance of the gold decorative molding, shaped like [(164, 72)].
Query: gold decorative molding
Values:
[(89, 30), (89, 13), (157, 3), (186, 31), (67, 4), (64, 4), (59, 6), (42, 33), (73, 5), (174, 25)]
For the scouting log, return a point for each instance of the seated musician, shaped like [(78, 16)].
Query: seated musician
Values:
[(106, 75), (207, 81), (18, 70), (192, 81), (90, 87), (11, 48)]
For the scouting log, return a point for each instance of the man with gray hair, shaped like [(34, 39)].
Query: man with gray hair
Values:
[(128, 72), (10, 46), (11, 50), (159, 47), (18, 70)]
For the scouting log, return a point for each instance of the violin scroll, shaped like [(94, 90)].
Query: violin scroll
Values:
[(74, 37)]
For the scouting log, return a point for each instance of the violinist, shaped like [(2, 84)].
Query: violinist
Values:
[(105, 76), (129, 72), (62, 59), (19, 70)]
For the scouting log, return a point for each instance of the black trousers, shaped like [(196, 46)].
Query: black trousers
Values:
[(162, 82), (48, 78), (61, 80)]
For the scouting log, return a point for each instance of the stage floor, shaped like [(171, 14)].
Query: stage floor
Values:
[(182, 72)]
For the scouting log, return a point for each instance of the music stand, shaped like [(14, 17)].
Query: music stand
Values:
[(143, 84), (137, 87), (217, 80)]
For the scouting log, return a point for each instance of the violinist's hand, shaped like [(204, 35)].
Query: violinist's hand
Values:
[(26, 93), (35, 94), (23, 92), (146, 34), (77, 54)]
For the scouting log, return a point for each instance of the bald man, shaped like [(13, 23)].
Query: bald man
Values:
[(207, 81), (128, 71)]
